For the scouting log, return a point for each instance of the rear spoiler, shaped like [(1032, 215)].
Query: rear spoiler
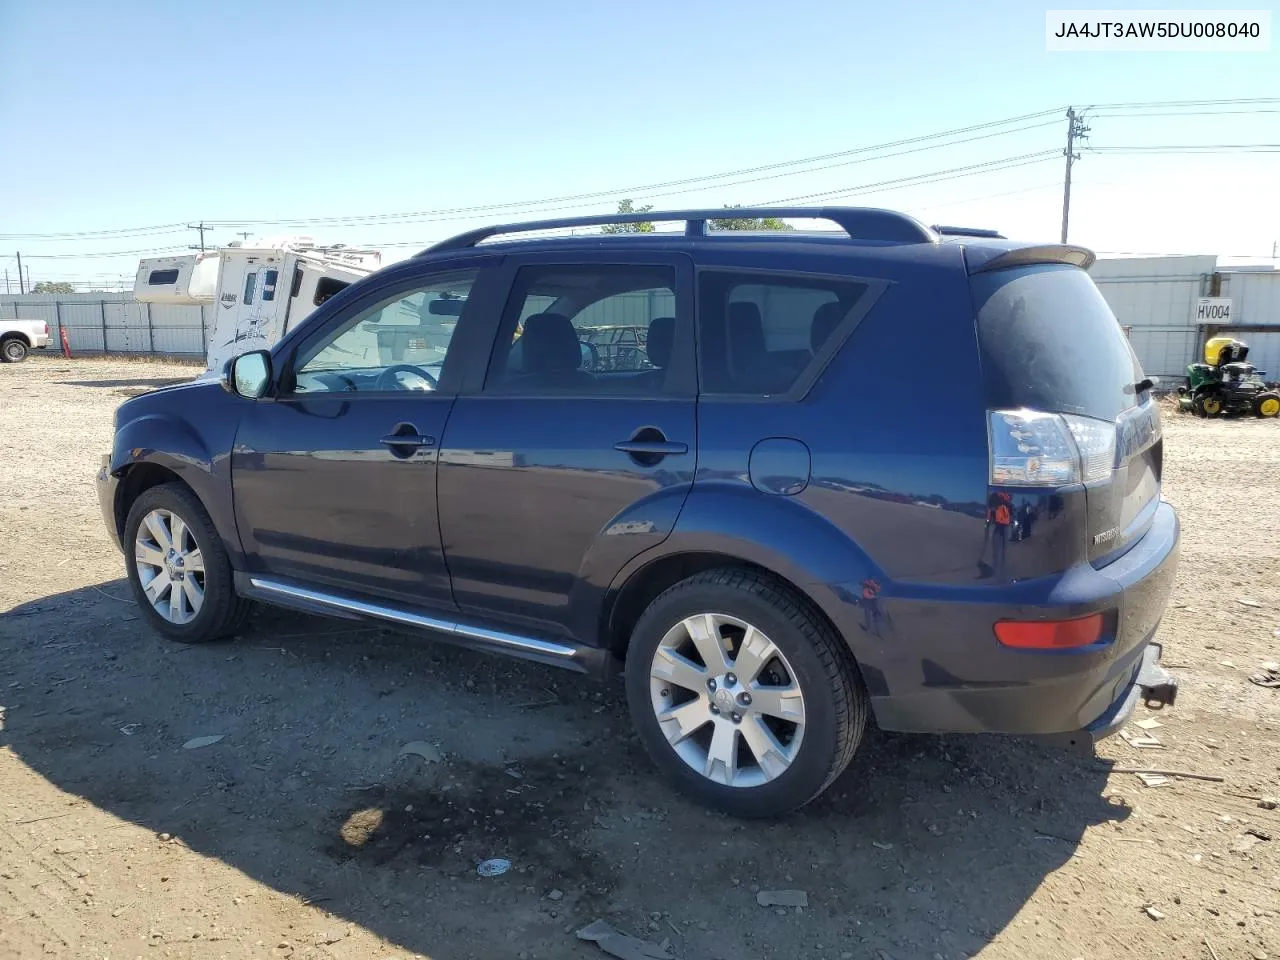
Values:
[(983, 259)]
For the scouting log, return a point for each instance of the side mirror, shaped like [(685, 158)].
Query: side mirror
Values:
[(590, 356), (248, 375)]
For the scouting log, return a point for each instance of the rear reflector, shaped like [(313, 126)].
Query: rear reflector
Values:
[(1050, 634)]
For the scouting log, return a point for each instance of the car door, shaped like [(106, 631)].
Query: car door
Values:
[(574, 456), (334, 477)]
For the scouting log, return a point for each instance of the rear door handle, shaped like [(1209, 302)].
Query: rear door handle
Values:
[(407, 440), (659, 448)]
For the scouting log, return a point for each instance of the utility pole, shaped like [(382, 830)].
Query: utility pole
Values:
[(202, 228), (21, 287), (6, 279), (1076, 130), (243, 234)]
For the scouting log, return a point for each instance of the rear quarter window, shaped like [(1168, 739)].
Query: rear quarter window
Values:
[(1049, 341), (760, 333)]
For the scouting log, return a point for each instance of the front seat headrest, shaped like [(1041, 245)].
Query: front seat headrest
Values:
[(550, 344), (662, 335)]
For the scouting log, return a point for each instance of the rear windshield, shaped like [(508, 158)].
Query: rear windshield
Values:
[(1049, 341)]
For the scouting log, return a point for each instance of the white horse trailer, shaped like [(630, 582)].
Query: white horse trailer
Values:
[(261, 292)]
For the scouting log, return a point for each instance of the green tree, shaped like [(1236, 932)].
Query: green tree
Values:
[(625, 206), (749, 223), (48, 286)]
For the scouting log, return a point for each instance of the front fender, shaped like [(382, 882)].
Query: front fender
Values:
[(173, 443), (787, 538)]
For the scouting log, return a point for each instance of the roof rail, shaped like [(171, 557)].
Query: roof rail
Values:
[(860, 223), (968, 232)]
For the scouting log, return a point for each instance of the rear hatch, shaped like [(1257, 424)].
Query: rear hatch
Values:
[(1050, 343)]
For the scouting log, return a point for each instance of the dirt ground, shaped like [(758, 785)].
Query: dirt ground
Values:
[(304, 833)]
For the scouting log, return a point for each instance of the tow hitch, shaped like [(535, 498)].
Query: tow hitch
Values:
[(1159, 687)]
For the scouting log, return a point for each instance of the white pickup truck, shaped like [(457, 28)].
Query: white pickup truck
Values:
[(20, 337)]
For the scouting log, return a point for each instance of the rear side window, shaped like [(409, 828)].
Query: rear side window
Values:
[(759, 333), (162, 277), (1050, 342), (590, 329)]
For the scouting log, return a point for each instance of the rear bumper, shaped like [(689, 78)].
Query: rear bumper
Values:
[(39, 342), (106, 485), (948, 674), (1152, 684)]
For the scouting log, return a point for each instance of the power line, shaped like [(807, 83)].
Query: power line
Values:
[(1121, 109), (1192, 148), (411, 216), (991, 166)]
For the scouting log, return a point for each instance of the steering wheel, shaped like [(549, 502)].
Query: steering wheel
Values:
[(389, 379)]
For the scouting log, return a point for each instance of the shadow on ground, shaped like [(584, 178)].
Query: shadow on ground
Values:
[(925, 846)]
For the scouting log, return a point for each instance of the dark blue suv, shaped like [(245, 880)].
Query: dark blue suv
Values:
[(788, 480)]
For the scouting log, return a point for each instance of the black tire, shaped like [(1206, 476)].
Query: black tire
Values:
[(1266, 404), (222, 612), (1208, 405), (835, 700), (13, 350)]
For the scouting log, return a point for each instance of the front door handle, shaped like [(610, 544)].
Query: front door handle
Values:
[(405, 440), (659, 448)]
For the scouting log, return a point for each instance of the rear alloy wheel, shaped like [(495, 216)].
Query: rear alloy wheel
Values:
[(743, 694), (178, 568), (1267, 405), (13, 350)]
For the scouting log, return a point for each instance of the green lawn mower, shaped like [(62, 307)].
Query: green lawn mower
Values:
[(1224, 385)]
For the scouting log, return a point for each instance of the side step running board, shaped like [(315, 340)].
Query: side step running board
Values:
[(582, 659)]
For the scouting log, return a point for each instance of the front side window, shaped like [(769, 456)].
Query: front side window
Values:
[(758, 333), (399, 343), (159, 278), (589, 329)]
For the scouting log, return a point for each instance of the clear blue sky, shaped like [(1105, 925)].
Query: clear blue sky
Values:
[(139, 113)]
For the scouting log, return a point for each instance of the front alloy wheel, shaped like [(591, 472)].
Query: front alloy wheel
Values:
[(178, 567), (170, 566)]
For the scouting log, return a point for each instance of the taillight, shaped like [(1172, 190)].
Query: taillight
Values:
[(1034, 449), (46, 328), (1050, 634)]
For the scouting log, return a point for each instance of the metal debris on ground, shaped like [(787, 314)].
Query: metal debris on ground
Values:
[(494, 868), (1140, 742), (1153, 779), (198, 742), (622, 946), (1153, 913), (881, 846), (782, 898), (129, 729), (1269, 677), (1188, 774), (1245, 601), (420, 748), (1149, 724)]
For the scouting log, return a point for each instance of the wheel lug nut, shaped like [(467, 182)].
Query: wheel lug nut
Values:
[(715, 709), (711, 684), (730, 679), (735, 717), (744, 699)]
